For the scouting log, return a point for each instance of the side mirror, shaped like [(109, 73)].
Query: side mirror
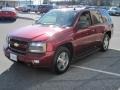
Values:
[(38, 18), (36, 21)]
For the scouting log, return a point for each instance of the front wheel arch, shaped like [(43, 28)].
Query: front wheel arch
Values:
[(69, 46)]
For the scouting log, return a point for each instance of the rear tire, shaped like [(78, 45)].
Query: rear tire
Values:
[(13, 19), (61, 61), (105, 43)]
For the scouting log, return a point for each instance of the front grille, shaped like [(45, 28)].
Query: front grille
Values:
[(18, 45)]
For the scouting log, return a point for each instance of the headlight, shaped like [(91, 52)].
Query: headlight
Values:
[(7, 40), (37, 47)]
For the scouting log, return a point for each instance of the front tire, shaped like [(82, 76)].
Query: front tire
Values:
[(61, 60), (105, 43)]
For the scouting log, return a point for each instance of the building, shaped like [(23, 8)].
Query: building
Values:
[(102, 2), (87, 2), (115, 3), (97, 2), (14, 3)]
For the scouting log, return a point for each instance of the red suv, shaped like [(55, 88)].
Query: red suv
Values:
[(58, 37)]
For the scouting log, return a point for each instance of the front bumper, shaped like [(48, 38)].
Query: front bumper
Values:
[(114, 13), (8, 16), (45, 60)]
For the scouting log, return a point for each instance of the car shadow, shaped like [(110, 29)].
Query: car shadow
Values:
[(115, 15), (3, 21), (20, 76), (100, 60)]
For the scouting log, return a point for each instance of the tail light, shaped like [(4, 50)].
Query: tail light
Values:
[(0, 13)]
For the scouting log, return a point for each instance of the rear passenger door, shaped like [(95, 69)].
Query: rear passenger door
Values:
[(84, 36), (98, 26)]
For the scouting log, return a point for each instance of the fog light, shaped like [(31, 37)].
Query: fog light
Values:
[(36, 61)]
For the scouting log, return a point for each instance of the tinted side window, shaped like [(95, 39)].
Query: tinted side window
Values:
[(84, 20), (96, 17), (106, 16)]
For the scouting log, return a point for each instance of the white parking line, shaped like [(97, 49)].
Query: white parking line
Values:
[(97, 70)]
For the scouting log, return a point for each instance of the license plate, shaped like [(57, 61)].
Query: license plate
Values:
[(13, 57)]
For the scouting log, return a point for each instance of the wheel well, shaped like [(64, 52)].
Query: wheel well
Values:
[(70, 48), (109, 33)]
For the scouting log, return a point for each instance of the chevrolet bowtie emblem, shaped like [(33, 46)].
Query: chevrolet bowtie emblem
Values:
[(16, 44)]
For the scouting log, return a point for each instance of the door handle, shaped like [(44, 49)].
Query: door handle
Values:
[(87, 33), (93, 30)]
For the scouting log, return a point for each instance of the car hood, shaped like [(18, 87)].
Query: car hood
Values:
[(35, 31)]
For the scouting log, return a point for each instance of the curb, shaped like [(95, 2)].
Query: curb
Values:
[(27, 18)]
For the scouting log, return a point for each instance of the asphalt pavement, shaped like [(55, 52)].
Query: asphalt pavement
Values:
[(100, 71)]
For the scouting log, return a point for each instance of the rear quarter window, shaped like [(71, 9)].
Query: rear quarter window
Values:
[(96, 17), (106, 16)]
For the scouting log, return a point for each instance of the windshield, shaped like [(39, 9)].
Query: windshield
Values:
[(58, 18)]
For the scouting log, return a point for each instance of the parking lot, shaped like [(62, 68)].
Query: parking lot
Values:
[(100, 71)]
